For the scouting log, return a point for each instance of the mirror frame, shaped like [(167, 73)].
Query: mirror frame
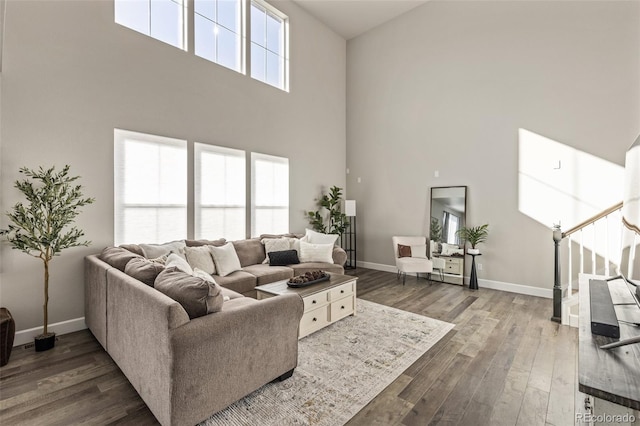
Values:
[(452, 261)]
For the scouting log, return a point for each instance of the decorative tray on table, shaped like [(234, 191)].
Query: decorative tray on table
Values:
[(308, 278)]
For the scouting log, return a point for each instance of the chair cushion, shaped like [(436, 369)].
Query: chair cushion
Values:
[(413, 264)]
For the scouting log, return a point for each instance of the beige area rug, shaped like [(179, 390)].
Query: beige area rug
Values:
[(340, 369)]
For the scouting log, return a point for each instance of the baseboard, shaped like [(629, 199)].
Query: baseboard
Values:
[(26, 336), (495, 285)]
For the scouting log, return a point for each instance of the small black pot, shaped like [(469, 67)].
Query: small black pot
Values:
[(44, 342)]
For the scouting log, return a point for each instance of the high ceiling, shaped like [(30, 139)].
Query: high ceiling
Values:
[(350, 18)]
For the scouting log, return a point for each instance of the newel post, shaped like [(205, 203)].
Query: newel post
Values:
[(557, 286)]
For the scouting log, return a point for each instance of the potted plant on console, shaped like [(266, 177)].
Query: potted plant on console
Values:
[(474, 235), (42, 227)]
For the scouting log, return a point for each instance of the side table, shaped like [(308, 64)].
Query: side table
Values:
[(473, 280)]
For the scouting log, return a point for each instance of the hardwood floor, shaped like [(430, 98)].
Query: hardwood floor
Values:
[(504, 363)]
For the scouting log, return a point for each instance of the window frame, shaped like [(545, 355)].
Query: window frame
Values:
[(271, 10), (256, 156), (200, 147), (119, 181), (184, 22)]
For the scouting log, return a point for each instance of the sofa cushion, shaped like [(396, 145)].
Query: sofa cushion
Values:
[(197, 243), (266, 274), (117, 257), (239, 281), (197, 296), (283, 258), (314, 266), (316, 252), (143, 270), (200, 257), (250, 252), (133, 248), (226, 259), (152, 251)]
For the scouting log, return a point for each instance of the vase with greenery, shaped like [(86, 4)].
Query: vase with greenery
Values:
[(474, 235), (329, 218), (43, 226)]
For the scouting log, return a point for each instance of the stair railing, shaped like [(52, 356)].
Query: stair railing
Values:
[(558, 236)]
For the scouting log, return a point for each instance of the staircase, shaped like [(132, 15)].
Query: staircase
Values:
[(591, 249)]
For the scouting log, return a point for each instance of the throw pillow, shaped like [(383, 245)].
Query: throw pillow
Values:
[(176, 261), (274, 244), (143, 270), (419, 250), (404, 251), (197, 296), (199, 273), (151, 251), (315, 252), (117, 257), (226, 259), (314, 237), (283, 258), (200, 257)]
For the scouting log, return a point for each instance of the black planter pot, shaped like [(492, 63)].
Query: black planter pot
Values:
[(44, 342)]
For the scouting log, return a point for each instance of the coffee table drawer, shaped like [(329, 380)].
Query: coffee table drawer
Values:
[(314, 320), (341, 308), (341, 291), (315, 301)]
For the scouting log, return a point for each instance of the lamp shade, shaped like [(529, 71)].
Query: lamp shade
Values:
[(631, 197), (350, 208)]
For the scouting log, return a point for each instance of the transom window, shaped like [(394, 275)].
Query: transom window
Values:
[(163, 20), (218, 32), (269, 51)]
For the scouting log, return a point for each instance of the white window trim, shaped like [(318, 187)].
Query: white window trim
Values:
[(120, 137), (285, 22), (200, 147), (272, 158)]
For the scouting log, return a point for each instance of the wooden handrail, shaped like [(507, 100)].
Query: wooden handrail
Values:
[(595, 218)]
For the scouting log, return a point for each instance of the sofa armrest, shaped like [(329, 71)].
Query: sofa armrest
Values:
[(339, 256), (222, 357)]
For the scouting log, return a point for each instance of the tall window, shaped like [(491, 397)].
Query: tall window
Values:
[(269, 194), (220, 195), (218, 32), (161, 19), (269, 50), (150, 188)]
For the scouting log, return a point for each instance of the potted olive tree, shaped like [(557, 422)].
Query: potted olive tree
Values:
[(42, 227), (474, 235)]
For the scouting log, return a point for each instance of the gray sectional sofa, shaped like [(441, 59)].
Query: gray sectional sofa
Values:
[(187, 369)]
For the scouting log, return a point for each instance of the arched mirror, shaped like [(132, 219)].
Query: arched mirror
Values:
[(448, 214)]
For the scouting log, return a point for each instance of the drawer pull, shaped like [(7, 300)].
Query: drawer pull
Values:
[(313, 302), (342, 307), (341, 291), (315, 319)]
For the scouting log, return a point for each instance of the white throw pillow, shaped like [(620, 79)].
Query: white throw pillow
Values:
[(314, 237), (316, 252), (200, 257), (226, 259), (275, 244), (152, 251), (179, 262), (419, 251)]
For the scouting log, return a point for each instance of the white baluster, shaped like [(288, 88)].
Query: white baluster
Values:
[(582, 251), (606, 246), (593, 249), (570, 286)]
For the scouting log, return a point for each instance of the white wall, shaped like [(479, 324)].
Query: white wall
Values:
[(71, 75), (447, 87)]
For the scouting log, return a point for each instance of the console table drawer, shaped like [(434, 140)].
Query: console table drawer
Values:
[(341, 308), (315, 301), (314, 320), (341, 291), (453, 266)]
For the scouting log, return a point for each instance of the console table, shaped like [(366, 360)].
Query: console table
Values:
[(610, 378)]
